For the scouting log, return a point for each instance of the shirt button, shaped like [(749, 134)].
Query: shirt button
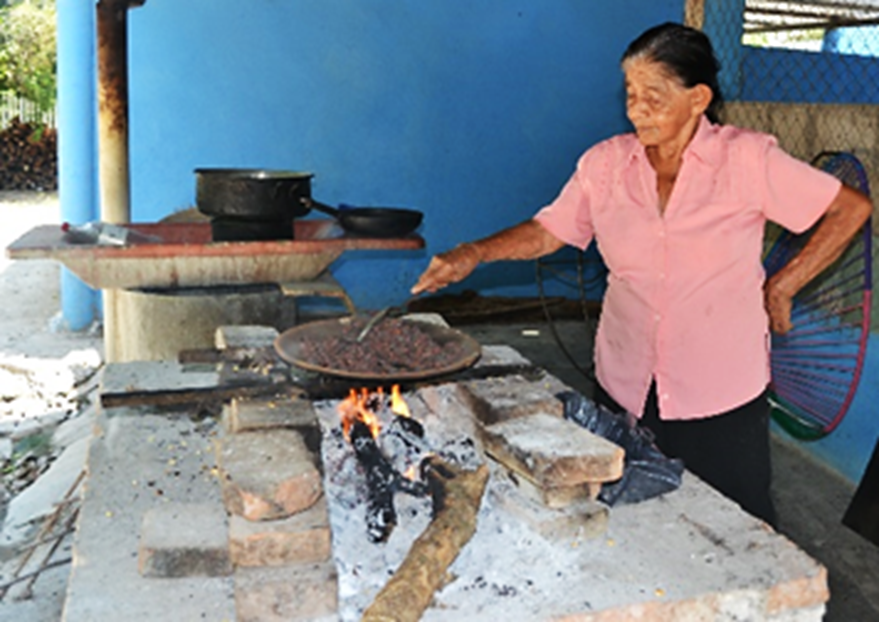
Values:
[(657, 317), (663, 397), (662, 233)]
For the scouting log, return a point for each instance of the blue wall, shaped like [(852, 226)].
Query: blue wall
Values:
[(473, 112), (848, 448)]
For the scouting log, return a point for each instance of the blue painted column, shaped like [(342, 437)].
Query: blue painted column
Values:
[(77, 172)]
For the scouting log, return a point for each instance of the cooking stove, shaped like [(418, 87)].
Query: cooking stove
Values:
[(173, 284), (689, 553)]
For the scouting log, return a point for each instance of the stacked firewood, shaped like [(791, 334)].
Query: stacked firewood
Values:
[(28, 157)]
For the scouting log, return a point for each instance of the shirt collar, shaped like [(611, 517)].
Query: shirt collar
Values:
[(701, 146)]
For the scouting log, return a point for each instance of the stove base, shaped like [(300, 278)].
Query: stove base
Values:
[(157, 324)]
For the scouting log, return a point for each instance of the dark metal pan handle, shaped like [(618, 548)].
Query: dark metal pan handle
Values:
[(320, 207)]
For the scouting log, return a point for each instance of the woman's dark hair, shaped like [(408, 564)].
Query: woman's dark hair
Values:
[(687, 53)]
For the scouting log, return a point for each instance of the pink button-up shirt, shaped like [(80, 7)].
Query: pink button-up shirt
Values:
[(684, 302)]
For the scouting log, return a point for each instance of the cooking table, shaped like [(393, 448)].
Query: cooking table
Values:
[(179, 255)]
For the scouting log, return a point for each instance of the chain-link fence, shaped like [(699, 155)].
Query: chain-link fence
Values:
[(806, 71)]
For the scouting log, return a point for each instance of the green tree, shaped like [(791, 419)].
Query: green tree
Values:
[(28, 57)]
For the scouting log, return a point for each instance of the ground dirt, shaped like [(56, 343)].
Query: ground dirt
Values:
[(47, 377)]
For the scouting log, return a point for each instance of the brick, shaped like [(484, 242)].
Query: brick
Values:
[(501, 399), (243, 414), (184, 540), (244, 337), (302, 538), (554, 497), (553, 452), (286, 593), (581, 520), (267, 475)]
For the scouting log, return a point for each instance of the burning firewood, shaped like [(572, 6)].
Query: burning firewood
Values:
[(361, 426), (456, 495), (382, 481)]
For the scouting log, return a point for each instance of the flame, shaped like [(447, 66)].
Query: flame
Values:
[(398, 406), (353, 408), (356, 407)]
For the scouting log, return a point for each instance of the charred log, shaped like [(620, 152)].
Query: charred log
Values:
[(382, 481)]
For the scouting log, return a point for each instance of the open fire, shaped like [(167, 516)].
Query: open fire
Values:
[(392, 465), (489, 533)]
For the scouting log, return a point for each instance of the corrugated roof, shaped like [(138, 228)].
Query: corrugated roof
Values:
[(781, 15)]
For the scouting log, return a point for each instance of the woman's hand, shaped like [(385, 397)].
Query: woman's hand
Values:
[(447, 268), (778, 305), (845, 215), (527, 240)]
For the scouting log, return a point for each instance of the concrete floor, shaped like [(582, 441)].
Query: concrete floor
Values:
[(810, 498)]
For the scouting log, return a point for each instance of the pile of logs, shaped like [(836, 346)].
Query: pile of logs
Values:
[(28, 157)]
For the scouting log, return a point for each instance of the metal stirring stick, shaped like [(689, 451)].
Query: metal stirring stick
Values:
[(380, 315)]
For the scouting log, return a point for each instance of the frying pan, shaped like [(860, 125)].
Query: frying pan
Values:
[(380, 222), (290, 345)]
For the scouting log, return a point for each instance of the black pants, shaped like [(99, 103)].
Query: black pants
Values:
[(729, 451)]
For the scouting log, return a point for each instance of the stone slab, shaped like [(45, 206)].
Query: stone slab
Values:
[(302, 538), (286, 593), (155, 376), (553, 452), (267, 475), (245, 336), (139, 460), (500, 399), (184, 540)]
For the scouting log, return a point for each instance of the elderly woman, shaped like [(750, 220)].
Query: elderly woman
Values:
[(678, 209)]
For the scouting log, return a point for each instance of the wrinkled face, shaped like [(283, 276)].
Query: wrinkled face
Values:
[(662, 109)]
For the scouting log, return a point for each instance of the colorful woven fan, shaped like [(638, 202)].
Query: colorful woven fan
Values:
[(817, 365)]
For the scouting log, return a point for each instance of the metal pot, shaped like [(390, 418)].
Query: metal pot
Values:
[(257, 194), (379, 222)]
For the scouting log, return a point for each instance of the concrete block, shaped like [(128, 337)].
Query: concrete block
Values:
[(244, 337), (286, 593), (243, 414), (267, 475), (184, 540), (302, 538), (553, 452), (501, 399)]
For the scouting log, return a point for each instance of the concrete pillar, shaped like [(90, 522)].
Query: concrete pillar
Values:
[(77, 173)]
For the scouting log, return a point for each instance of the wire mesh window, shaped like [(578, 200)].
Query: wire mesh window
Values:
[(806, 71)]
